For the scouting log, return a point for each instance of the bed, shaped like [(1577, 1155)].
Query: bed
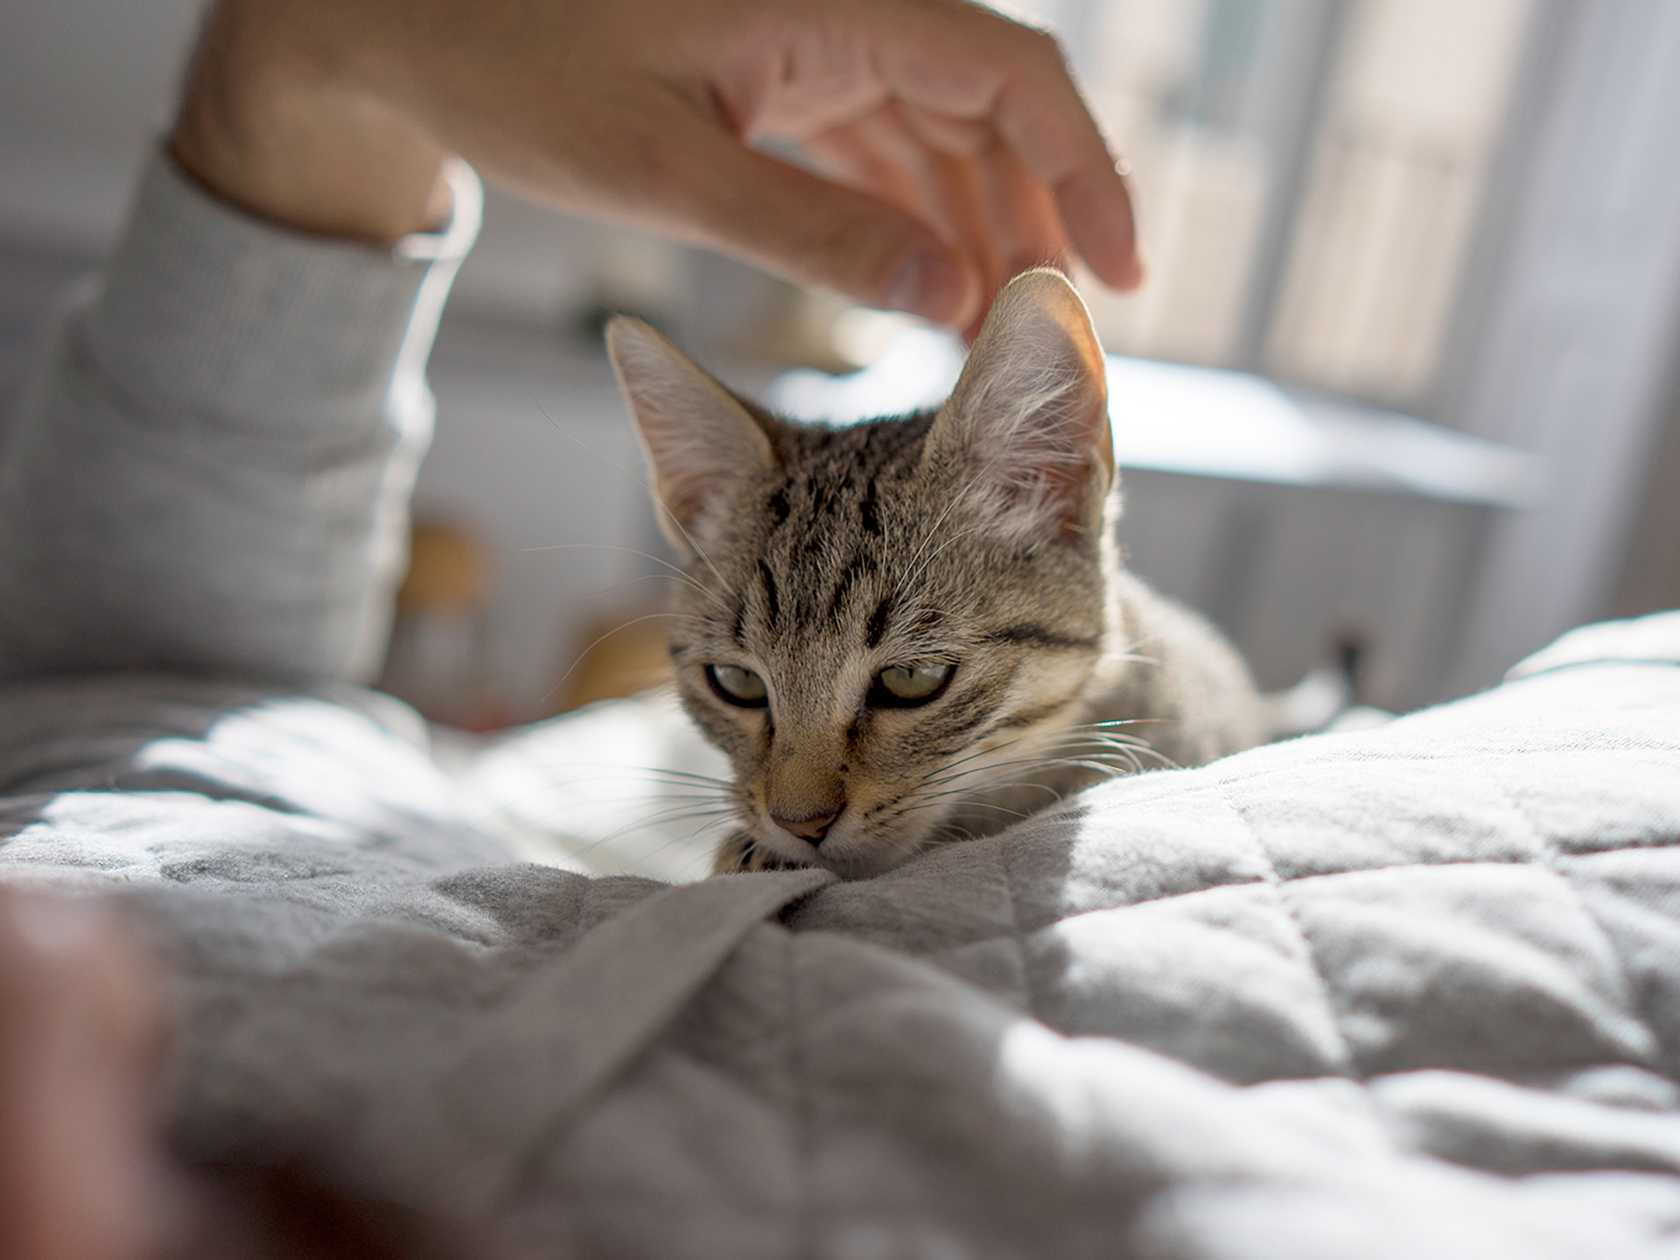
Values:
[(1408, 991)]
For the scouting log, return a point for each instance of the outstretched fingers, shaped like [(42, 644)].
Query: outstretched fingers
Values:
[(794, 222), (996, 81)]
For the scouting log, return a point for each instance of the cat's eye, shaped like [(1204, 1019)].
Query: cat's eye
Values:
[(899, 686), (738, 686)]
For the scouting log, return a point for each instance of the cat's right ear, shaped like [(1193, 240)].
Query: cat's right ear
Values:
[(698, 438), (1030, 413)]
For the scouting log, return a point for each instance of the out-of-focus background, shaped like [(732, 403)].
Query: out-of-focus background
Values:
[(1402, 388)]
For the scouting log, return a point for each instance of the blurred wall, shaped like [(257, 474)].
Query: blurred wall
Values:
[(1573, 351), (84, 84)]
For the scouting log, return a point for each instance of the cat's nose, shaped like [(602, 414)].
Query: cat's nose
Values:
[(811, 829)]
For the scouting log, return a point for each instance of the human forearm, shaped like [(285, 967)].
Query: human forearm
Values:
[(276, 128), (211, 470)]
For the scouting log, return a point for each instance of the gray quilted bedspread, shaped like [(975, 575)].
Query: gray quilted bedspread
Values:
[(1412, 992)]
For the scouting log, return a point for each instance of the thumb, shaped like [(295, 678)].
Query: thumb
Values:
[(792, 222)]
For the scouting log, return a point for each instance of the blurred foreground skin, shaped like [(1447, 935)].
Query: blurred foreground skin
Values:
[(83, 1175), (81, 1039)]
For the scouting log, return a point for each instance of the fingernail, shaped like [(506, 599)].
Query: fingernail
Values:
[(930, 284)]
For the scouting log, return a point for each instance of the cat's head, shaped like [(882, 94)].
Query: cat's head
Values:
[(879, 619)]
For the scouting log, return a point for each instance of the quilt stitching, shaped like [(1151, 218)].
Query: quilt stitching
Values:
[(1626, 1002), (1618, 848), (1017, 933), (1278, 884)]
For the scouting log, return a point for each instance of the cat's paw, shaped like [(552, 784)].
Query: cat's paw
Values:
[(740, 854)]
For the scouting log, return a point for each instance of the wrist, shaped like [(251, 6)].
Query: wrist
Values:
[(301, 147)]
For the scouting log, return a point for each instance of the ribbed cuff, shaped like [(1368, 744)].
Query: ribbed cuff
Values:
[(212, 311)]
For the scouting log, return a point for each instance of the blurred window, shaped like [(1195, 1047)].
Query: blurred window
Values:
[(1308, 175)]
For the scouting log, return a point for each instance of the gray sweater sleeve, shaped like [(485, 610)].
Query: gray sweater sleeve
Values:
[(211, 468)]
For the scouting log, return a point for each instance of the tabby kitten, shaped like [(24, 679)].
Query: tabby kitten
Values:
[(918, 629)]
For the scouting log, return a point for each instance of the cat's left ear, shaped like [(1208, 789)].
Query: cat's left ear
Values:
[(698, 438), (1030, 413)]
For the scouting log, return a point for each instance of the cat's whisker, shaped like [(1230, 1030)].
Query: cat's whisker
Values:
[(663, 506), (1142, 721), (514, 806), (918, 564), (1104, 738), (1096, 747), (1133, 754), (714, 816), (1103, 753), (634, 621), (677, 571), (950, 834), (707, 797), (911, 570), (1124, 754), (976, 794), (693, 542), (1138, 658), (940, 798), (674, 814), (1091, 763), (688, 777), (1113, 740), (1046, 759), (1115, 729), (633, 773), (651, 577), (984, 774), (904, 847), (982, 752), (657, 819), (939, 792), (1023, 741), (943, 548), (509, 811), (669, 790)]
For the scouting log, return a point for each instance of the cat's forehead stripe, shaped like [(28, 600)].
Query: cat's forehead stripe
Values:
[(772, 603), (844, 517), (860, 565), (1037, 636), (878, 621), (868, 514)]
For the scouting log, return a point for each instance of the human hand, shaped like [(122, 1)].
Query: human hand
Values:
[(950, 148), (81, 1040)]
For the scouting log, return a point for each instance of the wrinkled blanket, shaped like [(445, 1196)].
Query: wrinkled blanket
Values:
[(1412, 991)]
